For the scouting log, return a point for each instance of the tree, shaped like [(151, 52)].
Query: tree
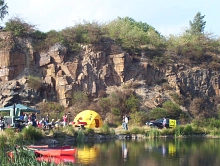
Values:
[(3, 9), (19, 27), (197, 26)]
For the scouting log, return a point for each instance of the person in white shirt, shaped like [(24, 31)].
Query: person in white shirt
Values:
[(126, 122)]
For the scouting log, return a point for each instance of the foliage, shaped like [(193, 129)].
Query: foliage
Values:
[(188, 130), (132, 103), (69, 130), (197, 26), (80, 100), (32, 133), (179, 99), (139, 118), (136, 130), (52, 108), (105, 129), (173, 110), (34, 82), (19, 27), (202, 107), (132, 35), (157, 113), (116, 111), (153, 133), (79, 97), (105, 103), (3, 9), (89, 131)]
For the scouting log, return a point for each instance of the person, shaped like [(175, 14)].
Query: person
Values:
[(126, 122), (1, 125), (33, 117), (22, 116), (123, 122), (42, 123), (57, 123), (25, 118), (47, 118), (65, 119), (164, 122)]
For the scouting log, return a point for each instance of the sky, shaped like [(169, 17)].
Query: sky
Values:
[(166, 16)]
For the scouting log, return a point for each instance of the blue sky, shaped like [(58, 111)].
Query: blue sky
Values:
[(166, 16)]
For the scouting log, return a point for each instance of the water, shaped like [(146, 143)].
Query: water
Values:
[(151, 152)]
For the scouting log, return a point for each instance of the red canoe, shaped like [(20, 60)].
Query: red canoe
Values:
[(37, 146), (56, 152), (47, 147)]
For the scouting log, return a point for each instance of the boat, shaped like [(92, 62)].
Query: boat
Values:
[(47, 147), (55, 152), (37, 146), (57, 160)]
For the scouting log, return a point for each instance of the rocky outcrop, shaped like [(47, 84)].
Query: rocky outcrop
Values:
[(91, 71)]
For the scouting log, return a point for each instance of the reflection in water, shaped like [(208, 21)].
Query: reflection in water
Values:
[(124, 150), (86, 155), (152, 152)]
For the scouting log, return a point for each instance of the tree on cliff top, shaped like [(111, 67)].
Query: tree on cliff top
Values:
[(133, 35), (197, 26), (3, 9)]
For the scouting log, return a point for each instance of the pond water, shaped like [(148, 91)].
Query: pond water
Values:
[(151, 152)]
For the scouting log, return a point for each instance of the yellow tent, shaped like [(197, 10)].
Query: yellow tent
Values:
[(89, 118)]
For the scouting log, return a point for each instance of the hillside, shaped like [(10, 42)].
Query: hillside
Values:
[(144, 75)]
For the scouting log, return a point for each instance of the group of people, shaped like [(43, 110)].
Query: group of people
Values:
[(125, 120), (46, 123)]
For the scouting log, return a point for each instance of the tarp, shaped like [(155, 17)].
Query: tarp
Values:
[(91, 118), (19, 107)]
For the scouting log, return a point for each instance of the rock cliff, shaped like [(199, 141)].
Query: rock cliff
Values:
[(92, 71)]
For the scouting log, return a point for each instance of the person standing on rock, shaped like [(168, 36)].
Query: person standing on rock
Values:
[(126, 122)]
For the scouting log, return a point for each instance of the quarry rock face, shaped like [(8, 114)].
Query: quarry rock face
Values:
[(91, 71)]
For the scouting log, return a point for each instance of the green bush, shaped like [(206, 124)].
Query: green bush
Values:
[(157, 113), (173, 110), (18, 27), (34, 82), (137, 131), (153, 133), (32, 133), (89, 131), (105, 129), (188, 130)]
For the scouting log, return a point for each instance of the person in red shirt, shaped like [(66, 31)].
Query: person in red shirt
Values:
[(65, 119)]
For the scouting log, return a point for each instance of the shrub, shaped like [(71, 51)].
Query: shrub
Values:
[(153, 133), (139, 118), (157, 113), (34, 82), (188, 130), (173, 110), (32, 133), (89, 131), (19, 27), (69, 130), (137, 131), (105, 129), (53, 108), (80, 99)]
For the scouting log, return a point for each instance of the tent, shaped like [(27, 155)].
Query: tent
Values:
[(15, 109), (89, 118)]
